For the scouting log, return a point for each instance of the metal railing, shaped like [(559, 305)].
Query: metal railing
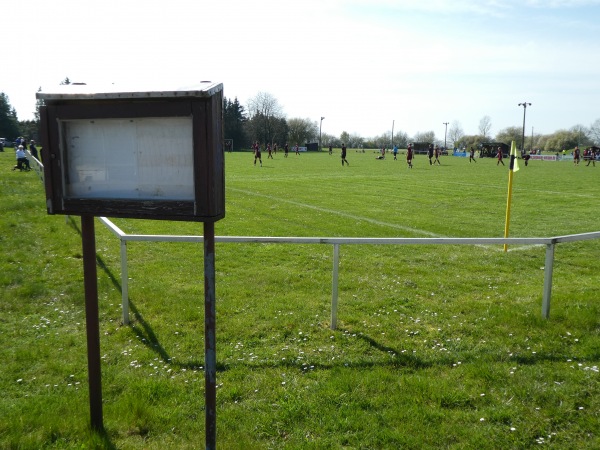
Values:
[(336, 242)]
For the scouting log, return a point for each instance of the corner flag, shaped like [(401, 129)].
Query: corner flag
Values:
[(514, 166), (514, 163)]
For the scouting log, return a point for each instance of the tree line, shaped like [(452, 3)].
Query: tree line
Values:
[(263, 120)]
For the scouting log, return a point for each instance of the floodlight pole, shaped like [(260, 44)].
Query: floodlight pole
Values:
[(445, 134), (524, 105), (320, 126)]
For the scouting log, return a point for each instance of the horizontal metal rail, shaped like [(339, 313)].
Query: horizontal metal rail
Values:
[(337, 241)]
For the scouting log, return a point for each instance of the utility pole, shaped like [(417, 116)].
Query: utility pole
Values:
[(445, 134), (320, 126), (524, 105)]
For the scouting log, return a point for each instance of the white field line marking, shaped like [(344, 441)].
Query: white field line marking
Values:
[(373, 221)]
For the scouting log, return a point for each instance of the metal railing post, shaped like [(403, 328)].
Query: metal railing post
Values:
[(334, 287), (124, 282), (548, 269)]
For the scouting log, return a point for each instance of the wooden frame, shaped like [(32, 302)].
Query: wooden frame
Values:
[(85, 175)]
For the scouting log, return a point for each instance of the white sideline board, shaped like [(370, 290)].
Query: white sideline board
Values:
[(148, 158)]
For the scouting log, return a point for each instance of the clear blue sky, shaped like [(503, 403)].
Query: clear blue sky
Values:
[(361, 64)]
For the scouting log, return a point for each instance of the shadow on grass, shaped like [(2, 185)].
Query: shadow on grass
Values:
[(104, 440), (395, 358)]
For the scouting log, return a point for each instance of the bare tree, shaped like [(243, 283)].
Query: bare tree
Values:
[(264, 112), (485, 125), (302, 130), (425, 136), (455, 133), (355, 141), (595, 132), (345, 137)]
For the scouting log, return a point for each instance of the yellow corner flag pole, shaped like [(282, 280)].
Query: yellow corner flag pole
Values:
[(514, 166)]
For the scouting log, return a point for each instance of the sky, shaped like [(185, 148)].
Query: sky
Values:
[(366, 66)]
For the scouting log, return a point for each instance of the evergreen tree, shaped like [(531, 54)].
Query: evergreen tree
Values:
[(9, 125), (234, 118)]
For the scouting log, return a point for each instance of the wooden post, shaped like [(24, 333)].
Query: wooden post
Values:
[(210, 354), (92, 321)]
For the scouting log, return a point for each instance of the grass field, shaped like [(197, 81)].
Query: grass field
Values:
[(436, 346)]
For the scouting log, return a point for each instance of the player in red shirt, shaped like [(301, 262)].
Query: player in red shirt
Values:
[(409, 156), (257, 153), (436, 154), (499, 156)]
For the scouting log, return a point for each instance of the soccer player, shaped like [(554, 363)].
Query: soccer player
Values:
[(286, 150), (436, 153), (269, 151), (430, 153), (576, 156), (297, 150), (472, 155), (344, 155), (409, 156), (257, 153), (330, 150), (499, 156), (592, 157), (395, 151)]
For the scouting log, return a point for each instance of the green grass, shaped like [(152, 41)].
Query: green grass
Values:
[(436, 346)]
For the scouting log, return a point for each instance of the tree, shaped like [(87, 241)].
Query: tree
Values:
[(425, 136), (66, 81), (234, 118), (470, 141), (582, 135), (264, 110), (9, 125), (485, 125), (383, 140), (509, 134), (595, 132), (280, 131), (302, 130), (329, 139), (355, 141), (455, 133), (561, 139), (345, 138), (401, 139)]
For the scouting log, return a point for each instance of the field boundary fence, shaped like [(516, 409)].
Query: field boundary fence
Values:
[(550, 244), (336, 242)]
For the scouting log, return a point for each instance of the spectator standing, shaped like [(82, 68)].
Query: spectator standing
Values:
[(33, 150)]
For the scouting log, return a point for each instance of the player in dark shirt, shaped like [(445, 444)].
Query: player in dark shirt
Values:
[(344, 155)]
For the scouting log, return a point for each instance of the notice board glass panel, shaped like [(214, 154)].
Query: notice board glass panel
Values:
[(141, 158)]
